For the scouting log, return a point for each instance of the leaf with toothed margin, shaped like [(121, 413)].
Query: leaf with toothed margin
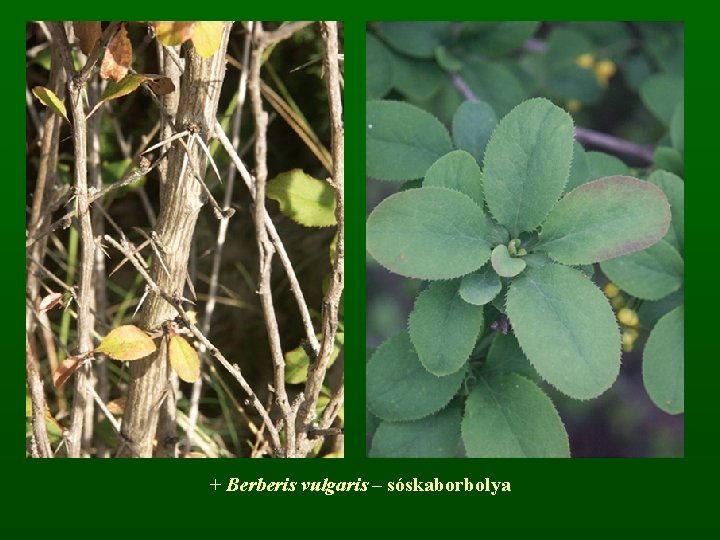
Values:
[(505, 265), (399, 388), (506, 415), (566, 328), (457, 170), (603, 219), (444, 328), (428, 233), (402, 140), (650, 274), (433, 436), (480, 287), (664, 362), (527, 163), (472, 125)]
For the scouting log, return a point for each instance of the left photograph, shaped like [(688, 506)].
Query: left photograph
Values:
[(184, 239)]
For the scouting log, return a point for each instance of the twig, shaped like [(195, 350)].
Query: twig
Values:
[(97, 50), (85, 295), (113, 421), (318, 369), (265, 39), (42, 442), (275, 237), (265, 247)]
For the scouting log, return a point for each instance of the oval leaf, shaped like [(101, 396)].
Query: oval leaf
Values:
[(433, 437), (650, 274), (184, 359), (173, 33), (428, 233), (527, 163), (49, 99), (444, 328), (601, 165), (402, 140), (124, 87), (378, 68), (674, 189), (457, 170), (664, 362), (505, 265), (472, 125), (605, 218), (399, 388), (127, 342), (480, 287), (207, 36), (507, 415), (304, 199), (566, 328)]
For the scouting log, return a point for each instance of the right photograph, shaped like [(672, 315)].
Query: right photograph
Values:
[(525, 239)]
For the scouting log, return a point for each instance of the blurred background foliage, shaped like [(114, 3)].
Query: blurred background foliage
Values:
[(293, 69), (623, 79)]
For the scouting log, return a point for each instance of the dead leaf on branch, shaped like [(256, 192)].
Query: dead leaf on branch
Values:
[(87, 32), (118, 56)]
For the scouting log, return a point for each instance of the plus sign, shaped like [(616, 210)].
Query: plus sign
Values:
[(215, 485)]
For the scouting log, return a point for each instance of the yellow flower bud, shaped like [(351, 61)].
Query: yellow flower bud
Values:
[(611, 290), (586, 60), (628, 339), (604, 70), (628, 317), (573, 105)]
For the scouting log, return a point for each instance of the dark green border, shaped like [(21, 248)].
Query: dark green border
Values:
[(582, 495)]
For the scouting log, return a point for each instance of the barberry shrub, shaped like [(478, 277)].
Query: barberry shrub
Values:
[(503, 230)]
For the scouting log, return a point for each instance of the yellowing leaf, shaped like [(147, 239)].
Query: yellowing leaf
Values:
[(127, 343), (307, 200), (49, 99), (118, 56), (115, 90), (87, 32), (172, 33), (206, 37), (184, 359)]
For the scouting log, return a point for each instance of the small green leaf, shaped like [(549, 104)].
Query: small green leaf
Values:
[(505, 265), (416, 79), (527, 163), (677, 127), (496, 38), (472, 125), (435, 436), (457, 170), (416, 39), (184, 359), (661, 93), (650, 274), (669, 159), (507, 415), (402, 140), (566, 328), (601, 165), (127, 85), (605, 218), (579, 169), (297, 360), (506, 356), (664, 362), (378, 68), (127, 342), (444, 328), (399, 388), (480, 287), (493, 83), (674, 189), (304, 199), (48, 98), (447, 60), (428, 233)]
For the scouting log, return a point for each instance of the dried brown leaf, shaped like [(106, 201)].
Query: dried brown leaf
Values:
[(118, 56), (87, 32)]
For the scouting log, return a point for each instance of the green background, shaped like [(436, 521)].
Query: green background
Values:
[(582, 495)]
